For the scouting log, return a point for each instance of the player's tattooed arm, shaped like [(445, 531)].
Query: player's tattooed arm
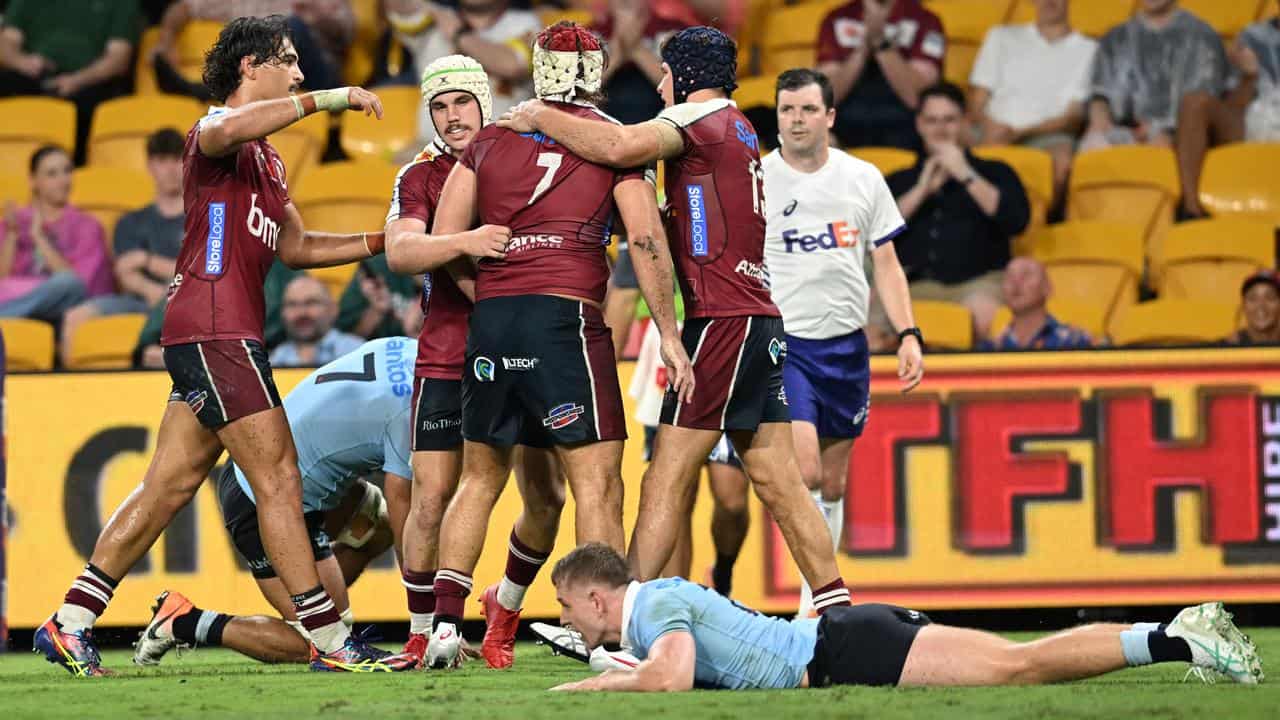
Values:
[(620, 146), (223, 133), (651, 256), (668, 668), (300, 248)]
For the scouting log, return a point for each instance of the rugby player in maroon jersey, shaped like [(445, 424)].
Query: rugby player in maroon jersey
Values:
[(239, 219), (456, 90), (733, 331), (540, 364)]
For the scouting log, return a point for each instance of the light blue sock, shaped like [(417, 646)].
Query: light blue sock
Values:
[(1146, 627), (1136, 650)]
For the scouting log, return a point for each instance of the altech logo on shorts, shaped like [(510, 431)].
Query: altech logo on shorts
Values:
[(483, 369), (562, 415), (195, 400)]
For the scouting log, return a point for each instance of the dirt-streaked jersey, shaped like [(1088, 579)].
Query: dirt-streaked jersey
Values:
[(559, 207), (715, 203), (442, 343), (235, 206)]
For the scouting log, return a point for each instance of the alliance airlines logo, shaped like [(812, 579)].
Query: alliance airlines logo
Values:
[(836, 235)]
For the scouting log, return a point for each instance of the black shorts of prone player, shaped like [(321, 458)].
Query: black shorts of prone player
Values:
[(221, 380), (240, 516), (864, 644), (737, 366), (437, 414), (540, 371)]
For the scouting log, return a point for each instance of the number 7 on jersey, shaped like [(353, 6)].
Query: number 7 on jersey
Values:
[(550, 161)]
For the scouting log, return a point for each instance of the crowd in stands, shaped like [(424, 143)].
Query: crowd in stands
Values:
[(953, 121)]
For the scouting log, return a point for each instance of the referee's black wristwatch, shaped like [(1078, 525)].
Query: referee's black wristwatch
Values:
[(912, 331)]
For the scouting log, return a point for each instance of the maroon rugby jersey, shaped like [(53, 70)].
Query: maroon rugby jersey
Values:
[(442, 344), (234, 210), (715, 199), (559, 208)]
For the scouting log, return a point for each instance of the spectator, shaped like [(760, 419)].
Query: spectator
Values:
[(1256, 56), (308, 313), (52, 255), (490, 31), (75, 50), (1030, 84), (321, 30), (879, 55), (1026, 292), (148, 354), (1250, 110), (146, 244), (379, 303), (1260, 305), (961, 212), (636, 33), (1150, 75)]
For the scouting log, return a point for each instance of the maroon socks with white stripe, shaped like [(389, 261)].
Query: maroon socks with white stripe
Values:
[(86, 600), (420, 588), (833, 594), (523, 563), (317, 613), (452, 588)]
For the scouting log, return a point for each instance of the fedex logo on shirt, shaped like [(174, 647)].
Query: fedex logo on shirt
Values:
[(837, 235)]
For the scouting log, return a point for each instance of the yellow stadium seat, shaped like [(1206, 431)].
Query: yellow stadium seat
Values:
[(28, 344), (105, 343), (346, 197), (358, 66), (335, 278), (551, 16), (945, 325), (1228, 17), (1174, 322), (1240, 180), (790, 37), (194, 40), (965, 23), (30, 122), (369, 138), (1264, 9), (1089, 17), (15, 187), (118, 134), (889, 160), (755, 92), (1209, 259), (1035, 169), (108, 193), (1093, 262), (1090, 317), (1132, 184)]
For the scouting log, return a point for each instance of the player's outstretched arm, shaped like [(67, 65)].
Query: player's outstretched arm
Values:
[(620, 146), (668, 668), (222, 134), (300, 248), (651, 257), (411, 250), (891, 286)]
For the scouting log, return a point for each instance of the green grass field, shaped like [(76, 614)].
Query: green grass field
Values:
[(219, 684)]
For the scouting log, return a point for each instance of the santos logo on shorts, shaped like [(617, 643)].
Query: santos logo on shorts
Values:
[(195, 400), (562, 415), (483, 368), (836, 235)]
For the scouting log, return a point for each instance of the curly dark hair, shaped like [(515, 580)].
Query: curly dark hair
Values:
[(259, 38)]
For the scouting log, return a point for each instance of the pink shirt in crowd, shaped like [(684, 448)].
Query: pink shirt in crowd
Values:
[(80, 239)]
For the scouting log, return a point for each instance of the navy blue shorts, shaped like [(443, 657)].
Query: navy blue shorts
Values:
[(828, 383)]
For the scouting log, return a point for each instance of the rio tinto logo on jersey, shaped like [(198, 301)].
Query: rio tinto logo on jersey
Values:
[(261, 226)]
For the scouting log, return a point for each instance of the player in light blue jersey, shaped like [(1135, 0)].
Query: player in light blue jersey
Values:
[(349, 418), (687, 636)]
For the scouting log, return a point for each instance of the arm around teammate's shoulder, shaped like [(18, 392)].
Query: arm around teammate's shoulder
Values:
[(602, 143), (667, 668)]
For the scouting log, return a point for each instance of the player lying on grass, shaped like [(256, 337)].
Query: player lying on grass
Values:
[(687, 636)]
